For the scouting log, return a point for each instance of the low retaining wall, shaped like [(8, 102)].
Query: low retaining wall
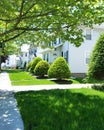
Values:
[(79, 75)]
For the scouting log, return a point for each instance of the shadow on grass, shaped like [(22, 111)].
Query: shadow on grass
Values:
[(61, 110), (45, 77), (62, 81), (99, 87), (13, 71)]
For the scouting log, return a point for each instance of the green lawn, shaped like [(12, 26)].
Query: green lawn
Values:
[(77, 109), (19, 77), (91, 80)]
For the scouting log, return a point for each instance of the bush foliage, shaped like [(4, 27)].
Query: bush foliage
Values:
[(59, 69), (41, 68), (33, 63), (96, 65), (28, 67)]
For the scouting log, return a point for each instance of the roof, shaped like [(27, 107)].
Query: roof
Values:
[(46, 50)]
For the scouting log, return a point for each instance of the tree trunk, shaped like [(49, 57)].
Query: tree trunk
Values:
[(0, 63)]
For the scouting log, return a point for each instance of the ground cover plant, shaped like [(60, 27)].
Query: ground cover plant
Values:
[(19, 77), (76, 109)]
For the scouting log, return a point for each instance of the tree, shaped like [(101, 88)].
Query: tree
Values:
[(59, 69), (43, 21), (96, 65), (7, 49)]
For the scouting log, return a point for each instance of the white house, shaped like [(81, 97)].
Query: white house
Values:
[(76, 57), (28, 53), (12, 61)]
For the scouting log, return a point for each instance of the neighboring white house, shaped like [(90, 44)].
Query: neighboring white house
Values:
[(28, 53), (24, 56), (12, 61), (76, 57)]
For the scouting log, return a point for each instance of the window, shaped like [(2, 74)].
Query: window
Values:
[(87, 57), (66, 55), (43, 56), (88, 34), (47, 57), (25, 54), (21, 55), (62, 53), (59, 40)]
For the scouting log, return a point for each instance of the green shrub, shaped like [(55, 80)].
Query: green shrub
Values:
[(34, 62), (96, 65), (41, 68), (99, 87), (28, 67), (59, 69)]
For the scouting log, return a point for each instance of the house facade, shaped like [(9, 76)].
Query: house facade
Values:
[(28, 53), (12, 61), (76, 57)]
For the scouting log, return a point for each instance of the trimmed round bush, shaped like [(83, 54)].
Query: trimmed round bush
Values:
[(96, 65), (28, 67), (34, 62), (59, 69), (41, 68)]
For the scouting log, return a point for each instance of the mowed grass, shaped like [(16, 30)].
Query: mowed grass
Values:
[(19, 77), (76, 109)]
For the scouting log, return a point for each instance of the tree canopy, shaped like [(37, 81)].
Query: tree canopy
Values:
[(44, 20)]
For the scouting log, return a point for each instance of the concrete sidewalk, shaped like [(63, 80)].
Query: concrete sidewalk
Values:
[(5, 82), (6, 85), (10, 118), (49, 87)]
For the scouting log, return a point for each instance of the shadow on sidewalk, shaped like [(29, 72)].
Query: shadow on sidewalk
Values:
[(10, 118)]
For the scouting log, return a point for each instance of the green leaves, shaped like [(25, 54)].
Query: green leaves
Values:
[(96, 66), (44, 21), (59, 69)]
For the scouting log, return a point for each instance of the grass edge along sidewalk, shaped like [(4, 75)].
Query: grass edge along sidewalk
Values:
[(19, 78)]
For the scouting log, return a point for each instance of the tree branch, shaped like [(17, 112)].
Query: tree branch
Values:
[(12, 38), (8, 20), (20, 15), (27, 11), (29, 29), (7, 32), (40, 15)]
